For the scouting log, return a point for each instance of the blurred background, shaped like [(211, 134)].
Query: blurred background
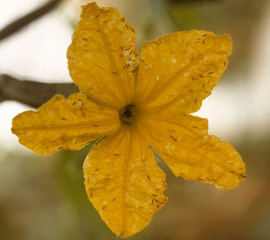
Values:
[(44, 198)]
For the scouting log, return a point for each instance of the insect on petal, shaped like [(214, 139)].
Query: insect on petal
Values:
[(189, 151), (102, 58), (179, 70), (124, 183), (64, 123)]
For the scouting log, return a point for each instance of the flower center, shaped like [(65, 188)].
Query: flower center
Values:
[(127, 113)]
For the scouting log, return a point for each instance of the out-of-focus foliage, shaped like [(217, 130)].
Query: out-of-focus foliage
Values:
[(180, 2)]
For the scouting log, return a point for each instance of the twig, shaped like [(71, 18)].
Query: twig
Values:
[(30, 92), (30, 17)]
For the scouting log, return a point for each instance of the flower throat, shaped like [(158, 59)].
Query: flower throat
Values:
[(127, 114)]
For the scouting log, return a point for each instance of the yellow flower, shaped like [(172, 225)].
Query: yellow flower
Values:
[(135, 105)]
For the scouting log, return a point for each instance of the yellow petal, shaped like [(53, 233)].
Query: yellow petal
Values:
[(102, 58), (124, 183), (64, 123), (190, 152), (179, 70)]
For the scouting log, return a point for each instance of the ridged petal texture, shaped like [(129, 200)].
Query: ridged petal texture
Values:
[(64, 123), (179, 70), (184, 144), (102, 58), (124, 182)]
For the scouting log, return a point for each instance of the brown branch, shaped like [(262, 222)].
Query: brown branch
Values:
[(30, 92), (30, 17)]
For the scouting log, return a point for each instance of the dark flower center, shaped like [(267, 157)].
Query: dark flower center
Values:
[(127, 113)]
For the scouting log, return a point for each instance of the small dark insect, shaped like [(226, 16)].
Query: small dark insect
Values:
[(173, 138)]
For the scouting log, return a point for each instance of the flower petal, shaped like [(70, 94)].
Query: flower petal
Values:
[(102, 57), (190, 152), (124, 183), (179, 70), (64, 123)]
